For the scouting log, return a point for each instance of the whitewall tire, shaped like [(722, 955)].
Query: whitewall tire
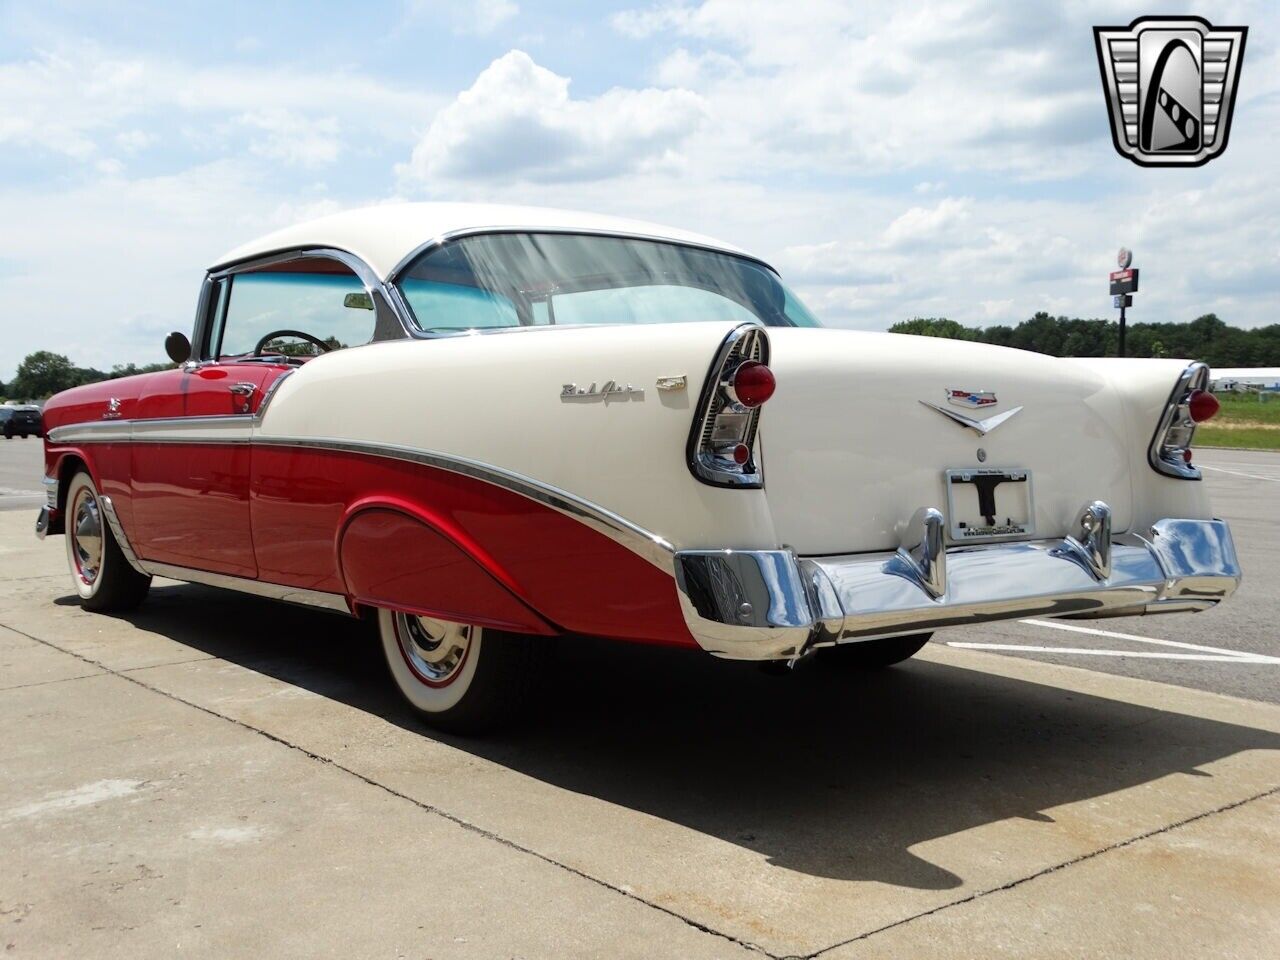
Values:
[(457, 677), (101, 575)]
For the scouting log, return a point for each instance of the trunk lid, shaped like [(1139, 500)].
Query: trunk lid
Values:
[(850, 452)]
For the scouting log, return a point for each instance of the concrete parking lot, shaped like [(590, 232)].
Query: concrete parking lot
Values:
[(217, 775)]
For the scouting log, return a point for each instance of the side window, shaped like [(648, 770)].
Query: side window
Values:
[(285, 309)]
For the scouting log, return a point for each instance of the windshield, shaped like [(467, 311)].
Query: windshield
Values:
[(505, 280)]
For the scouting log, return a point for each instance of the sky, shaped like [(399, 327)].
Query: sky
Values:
[(891, 160)]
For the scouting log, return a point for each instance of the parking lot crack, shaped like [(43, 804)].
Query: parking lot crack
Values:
[(1012, 884), (426, 807)]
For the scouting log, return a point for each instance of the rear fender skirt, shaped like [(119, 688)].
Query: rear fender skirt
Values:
[(392, 559)]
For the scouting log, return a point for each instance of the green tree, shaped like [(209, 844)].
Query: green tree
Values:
[(43, 373)]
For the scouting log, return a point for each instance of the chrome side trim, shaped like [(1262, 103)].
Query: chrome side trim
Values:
[(259, 588), (229, 428), (117, 531), (244, 429), (648, 545), (761, 605)]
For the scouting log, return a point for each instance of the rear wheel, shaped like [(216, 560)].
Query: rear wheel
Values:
[(873, 654), (101, 574), (460, 678)]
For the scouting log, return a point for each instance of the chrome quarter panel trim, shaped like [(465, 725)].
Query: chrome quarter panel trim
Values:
[(117, 531), (259, 588), (1186, 565), (648, 545), (741, 603)]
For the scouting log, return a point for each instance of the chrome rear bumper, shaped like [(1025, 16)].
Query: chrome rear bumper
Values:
[(771, 604)]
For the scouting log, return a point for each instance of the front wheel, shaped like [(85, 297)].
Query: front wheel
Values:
[(460, 678), (102, 576), (873, 654)]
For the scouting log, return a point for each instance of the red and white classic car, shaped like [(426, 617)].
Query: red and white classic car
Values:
[(485, 426)]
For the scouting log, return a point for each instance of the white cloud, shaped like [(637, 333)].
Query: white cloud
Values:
[(293, 138), (72, 100), (519, 120), (467, 16)]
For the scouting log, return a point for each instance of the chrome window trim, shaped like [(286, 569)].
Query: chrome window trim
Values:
[(373, 285), (406, 313), (441, 239), (1194, 377)]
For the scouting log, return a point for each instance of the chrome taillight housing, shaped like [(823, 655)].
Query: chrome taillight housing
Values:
[(722, 440), (1189, 404)]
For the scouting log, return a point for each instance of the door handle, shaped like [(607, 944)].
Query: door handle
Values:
[(243, 389)]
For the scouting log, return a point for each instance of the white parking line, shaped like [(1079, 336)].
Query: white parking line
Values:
[(1139, 654), (1237, 473), (1203, 653)]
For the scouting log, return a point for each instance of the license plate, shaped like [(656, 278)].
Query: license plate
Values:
[(989, 504)]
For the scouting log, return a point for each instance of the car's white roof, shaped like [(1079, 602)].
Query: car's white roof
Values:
[(384, 235)]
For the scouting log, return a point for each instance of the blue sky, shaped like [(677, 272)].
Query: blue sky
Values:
[(936, 159)]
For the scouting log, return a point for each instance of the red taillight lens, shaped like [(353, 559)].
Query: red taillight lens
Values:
[(752, 383), (1202, 405)]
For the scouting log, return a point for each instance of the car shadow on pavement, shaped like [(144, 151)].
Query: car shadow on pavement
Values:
[(831, 775)]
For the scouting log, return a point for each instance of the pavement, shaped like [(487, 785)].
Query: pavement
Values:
[(218, 775)]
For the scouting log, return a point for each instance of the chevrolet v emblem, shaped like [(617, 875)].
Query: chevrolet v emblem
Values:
[(980, 427)]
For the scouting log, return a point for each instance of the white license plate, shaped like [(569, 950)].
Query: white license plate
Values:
[(989, 504)]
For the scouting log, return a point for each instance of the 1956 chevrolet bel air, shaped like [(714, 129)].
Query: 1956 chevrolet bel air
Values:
[(484, 426)]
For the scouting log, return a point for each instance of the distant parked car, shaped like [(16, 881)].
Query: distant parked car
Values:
[(20, 422)]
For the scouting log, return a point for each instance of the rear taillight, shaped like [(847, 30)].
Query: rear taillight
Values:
[(722, 441), (1189, 404), (751, 384), (1202, 405)]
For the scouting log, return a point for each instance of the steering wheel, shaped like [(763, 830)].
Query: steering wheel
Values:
[(257, 350)]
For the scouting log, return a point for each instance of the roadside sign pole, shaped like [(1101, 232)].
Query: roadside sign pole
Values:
[(1124, 284)]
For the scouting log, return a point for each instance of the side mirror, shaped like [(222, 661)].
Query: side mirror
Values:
[(358, 301), (178, 347)]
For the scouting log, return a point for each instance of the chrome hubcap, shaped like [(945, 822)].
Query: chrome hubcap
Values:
[(86, 536), (434, 649)]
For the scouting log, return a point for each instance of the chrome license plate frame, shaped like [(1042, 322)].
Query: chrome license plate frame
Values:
[(1014, 514)]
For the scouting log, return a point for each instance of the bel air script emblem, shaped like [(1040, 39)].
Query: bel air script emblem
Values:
[(609, 390)]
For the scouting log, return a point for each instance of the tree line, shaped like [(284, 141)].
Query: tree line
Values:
[(1206, 338), (44, 373)]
